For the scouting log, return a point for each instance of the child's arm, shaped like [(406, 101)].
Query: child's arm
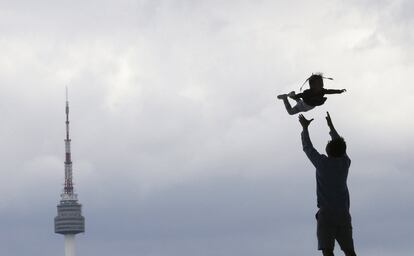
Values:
[(334, 91)]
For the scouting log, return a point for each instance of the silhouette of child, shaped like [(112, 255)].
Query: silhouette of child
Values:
[(310, 98)]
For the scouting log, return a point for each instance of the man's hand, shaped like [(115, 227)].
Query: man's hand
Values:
[(304, 122), (329, 121), (343, 90)]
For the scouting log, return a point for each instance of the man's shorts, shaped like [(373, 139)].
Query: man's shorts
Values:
[(334, 225)]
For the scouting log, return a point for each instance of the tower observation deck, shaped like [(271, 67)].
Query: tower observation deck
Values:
[(69, 220)]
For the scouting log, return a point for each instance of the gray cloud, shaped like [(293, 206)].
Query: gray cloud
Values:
[(179, 144)]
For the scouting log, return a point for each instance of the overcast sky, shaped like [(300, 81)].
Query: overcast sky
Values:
[(179, 145)]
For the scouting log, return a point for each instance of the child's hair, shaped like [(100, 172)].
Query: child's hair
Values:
[(336, 147), (314, 79)]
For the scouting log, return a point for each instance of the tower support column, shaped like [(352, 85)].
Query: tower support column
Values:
[(69, 245)]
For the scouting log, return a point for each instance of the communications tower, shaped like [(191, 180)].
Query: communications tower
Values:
[(69, 220)]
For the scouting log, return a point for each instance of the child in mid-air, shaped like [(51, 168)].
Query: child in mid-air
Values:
[(310, 98)]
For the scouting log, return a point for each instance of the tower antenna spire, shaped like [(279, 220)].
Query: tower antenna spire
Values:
[(69, 220), (68, 157)]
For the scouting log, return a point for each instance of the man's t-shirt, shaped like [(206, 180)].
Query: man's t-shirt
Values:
[(331, 176)]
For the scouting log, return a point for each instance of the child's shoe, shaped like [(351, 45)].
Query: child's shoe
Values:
[(282, 96)]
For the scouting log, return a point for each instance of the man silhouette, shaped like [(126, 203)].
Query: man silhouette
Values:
[(333, 217)]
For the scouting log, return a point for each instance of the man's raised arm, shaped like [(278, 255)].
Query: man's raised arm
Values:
[(308, 148), (334, 134)]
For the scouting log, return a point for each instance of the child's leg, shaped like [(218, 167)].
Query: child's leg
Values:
[(289, 109), (292, 95)]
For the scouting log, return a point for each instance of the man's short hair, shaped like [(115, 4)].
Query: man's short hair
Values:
[(336, 147)]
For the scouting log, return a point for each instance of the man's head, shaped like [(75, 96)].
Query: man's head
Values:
[(316, 82), (336, 147)]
